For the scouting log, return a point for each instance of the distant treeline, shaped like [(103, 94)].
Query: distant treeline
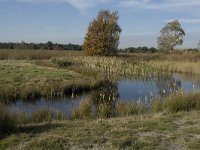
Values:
[(56, 46), (150, 50), (138, 50), (192, 49), (45, 46)]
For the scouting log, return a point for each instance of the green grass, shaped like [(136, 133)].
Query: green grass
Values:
[(147, 131), (26, 79), (31, 74)]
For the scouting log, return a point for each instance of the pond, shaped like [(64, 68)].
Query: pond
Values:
[(124, 90)]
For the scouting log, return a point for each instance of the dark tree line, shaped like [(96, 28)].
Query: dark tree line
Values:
[(139, 50), (44, 46)]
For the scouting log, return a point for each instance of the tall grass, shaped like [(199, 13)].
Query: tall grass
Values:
[(8, 121), (177, 66), (181, 102), (36, 54), (45, 115), (84, 111), (128, 109), (156, 106), (115, 65)]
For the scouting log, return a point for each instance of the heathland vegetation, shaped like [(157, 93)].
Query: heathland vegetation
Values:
[(101, 121)]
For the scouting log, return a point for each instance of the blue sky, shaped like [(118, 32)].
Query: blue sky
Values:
[(66, 21)]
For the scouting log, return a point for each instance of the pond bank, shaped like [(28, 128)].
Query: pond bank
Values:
[(27, 80), (147, 131)]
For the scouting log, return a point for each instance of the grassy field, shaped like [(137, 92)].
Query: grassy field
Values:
[(28, 74), (148, 131), (29, 79)]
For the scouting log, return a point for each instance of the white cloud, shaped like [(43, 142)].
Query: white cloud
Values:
[(165, 4), (86, 4), (79, 4), (186, 5)]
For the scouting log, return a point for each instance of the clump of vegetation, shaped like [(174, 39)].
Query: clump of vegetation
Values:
[(61, 63), (104, 110), (128, 109), (84, 111), (8, 121), (156, 106), (180, 102), (42, 115), (103, 35)]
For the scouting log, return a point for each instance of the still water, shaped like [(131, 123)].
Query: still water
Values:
[(126, 90)]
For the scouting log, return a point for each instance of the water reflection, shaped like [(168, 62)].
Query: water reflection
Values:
[(104, 99), (153, 88), (64, 105), (167, 84)]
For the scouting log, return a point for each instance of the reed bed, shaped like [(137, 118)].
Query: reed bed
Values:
[(115, 66), (111, 108), (177, 67)]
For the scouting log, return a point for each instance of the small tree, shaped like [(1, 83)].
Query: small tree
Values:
[(49, 45), (103, 34), (170, 36)]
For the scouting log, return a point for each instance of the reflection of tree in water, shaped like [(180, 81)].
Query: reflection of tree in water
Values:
[(167, 85), (104, 99)]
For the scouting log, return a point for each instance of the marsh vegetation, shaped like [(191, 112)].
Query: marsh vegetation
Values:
[(60, 88)]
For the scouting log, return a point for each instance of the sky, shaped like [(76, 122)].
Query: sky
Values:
[(66, 21)]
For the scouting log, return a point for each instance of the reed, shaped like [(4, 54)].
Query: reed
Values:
[(179, 102)]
